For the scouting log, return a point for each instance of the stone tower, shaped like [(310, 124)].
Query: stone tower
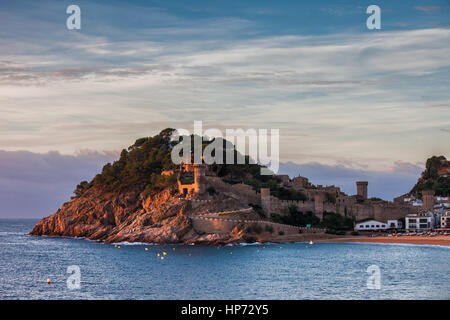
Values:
[(361, 187), (428, 199), (265, 200), (319, 199), (199, 178)]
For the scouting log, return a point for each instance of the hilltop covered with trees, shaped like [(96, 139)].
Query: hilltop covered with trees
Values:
[(140, 167), (435, 177)]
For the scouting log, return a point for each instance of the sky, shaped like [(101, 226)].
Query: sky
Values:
[(350, 102)]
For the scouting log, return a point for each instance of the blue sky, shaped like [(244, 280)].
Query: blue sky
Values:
[(343, 96)]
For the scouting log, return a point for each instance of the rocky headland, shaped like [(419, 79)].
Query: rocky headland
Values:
[(138, 198)]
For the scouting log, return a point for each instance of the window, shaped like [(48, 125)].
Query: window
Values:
[(423, 226), (412, 220), (423, 220), (378, 225)]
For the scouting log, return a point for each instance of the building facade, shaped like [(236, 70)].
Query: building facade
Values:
[(420, 221), (395, 224), (371, 225), (445, 220)]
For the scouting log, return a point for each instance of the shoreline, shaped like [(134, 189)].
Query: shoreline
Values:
[(315, 237), (437, 240)]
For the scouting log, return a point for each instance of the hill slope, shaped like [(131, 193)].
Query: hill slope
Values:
[(435, 177), (131, 201)]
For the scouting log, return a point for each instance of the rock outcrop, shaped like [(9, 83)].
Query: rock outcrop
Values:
[(139, 198), (133, 216)]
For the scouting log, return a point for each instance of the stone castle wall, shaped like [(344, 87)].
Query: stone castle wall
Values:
[(223, 225), (376, 211), (317, 203), (382, 211)]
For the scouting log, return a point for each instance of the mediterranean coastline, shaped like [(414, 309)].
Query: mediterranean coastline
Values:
[(197, 203)]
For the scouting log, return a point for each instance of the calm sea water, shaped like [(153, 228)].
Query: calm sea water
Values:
[(286, 271)]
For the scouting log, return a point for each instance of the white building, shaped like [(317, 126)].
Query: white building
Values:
[(420, 221), (394, 224), (371, 225), (443, 205), (412, 201), (442, 199), (445, 220)]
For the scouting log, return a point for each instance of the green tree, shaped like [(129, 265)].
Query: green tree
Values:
[(295, 217), (81, 188)]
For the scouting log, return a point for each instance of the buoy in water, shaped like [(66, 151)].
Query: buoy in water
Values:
[(48, 281), (158, 254), (164, 253), (118, 247), (162, 258), (310, 242)]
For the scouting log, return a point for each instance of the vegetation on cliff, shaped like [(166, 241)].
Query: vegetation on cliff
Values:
[(333, 222), (435, 177), (295, 217), (336, 223), (140, 166)]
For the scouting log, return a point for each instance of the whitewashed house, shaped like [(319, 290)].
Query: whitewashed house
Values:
[(445, 220), (420, 221), (394, 224), (371, 225)]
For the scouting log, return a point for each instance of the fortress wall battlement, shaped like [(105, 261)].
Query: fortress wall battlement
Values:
[(223, 225)]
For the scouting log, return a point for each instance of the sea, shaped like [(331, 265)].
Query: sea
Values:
[(85, 269)]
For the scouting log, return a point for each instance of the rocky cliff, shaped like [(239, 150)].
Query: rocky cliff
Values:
[(132, 200), (133, 216)]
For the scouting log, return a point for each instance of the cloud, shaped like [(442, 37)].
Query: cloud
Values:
[(342, 95), (405, 168), (285, 60), (36, 184), (13, 73), (438, 105), (427, 8)]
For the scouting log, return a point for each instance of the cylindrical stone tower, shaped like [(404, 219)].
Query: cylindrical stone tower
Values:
[(361, 187), (199, 178)]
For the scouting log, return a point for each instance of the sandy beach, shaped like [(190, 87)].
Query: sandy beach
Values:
[(322, 237), (437, 240)]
